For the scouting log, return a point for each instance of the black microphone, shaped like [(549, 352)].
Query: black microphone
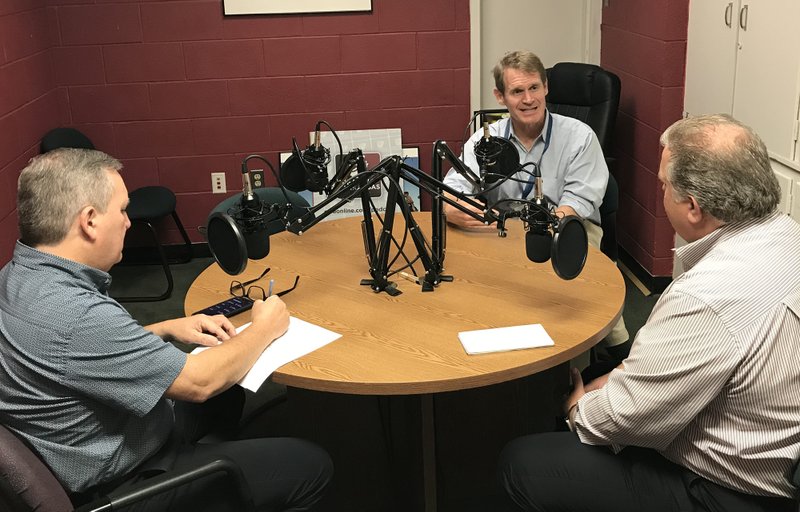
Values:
[(307, 169), (563, 241), (497, 157), (251, 214), (538, 238), (242, 232)]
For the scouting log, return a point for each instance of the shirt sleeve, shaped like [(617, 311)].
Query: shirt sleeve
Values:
[(586, 176), (678, 364), (114, 360)]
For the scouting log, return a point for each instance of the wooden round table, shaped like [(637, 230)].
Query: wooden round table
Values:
[(408, 344)]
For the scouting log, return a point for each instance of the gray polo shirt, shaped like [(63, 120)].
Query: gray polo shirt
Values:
[(80, 380)]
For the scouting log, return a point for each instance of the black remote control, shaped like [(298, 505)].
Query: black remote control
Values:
[(229, 307)]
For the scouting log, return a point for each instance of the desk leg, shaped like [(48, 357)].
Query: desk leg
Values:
[(428, 452)]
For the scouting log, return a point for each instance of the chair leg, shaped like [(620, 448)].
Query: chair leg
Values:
[(164, 263), (186, 241)]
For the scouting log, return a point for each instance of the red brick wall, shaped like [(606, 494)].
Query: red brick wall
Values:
[(29, 101), (176, 90), (645, 44)]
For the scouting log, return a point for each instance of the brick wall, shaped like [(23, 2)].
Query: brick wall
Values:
[(176, 90), (645, 44), (29, 101)]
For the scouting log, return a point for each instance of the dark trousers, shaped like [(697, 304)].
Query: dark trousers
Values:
[(555, 472), (283, 474)]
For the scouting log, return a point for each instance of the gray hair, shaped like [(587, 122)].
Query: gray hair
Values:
[(522, 60), (724, 165), (56, 186)]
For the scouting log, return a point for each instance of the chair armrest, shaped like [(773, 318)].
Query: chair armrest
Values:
[(171, 480)]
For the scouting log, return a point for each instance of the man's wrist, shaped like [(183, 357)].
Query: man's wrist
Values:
[(570, 419)]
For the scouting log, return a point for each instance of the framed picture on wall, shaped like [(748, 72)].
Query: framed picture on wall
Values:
[(234, 7)]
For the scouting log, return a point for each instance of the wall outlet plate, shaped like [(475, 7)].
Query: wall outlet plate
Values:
[(257, 178), (218, 185)]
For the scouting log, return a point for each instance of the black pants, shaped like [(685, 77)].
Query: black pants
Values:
[(555, 472), (283, 474)]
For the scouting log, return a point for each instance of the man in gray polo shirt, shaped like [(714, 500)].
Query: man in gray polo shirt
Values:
[(90, 389)]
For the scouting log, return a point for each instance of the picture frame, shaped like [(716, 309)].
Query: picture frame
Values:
[(245, 7)]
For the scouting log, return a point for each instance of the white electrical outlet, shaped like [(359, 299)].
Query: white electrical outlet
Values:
[(218, 185)]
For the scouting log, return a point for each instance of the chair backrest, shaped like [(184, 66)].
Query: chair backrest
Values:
[(64, 138), (26, 483), (586, 92)]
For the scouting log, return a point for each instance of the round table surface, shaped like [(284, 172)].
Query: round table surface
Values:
[(408, 344)]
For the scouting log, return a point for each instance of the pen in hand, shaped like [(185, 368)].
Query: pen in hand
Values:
[(271, 284)]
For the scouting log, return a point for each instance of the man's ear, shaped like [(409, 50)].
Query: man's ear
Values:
[(695, 213), (499, 97), (87, 222)]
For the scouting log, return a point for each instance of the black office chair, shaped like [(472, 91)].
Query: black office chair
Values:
[(147, 205), (27, 484), (591, 94)]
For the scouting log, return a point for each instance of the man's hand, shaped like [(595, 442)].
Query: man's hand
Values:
[(464, 221), (272, 316), (577, 391), (565, 211), (597, 383), (196, 329)]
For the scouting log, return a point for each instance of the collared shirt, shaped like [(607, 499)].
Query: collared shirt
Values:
[(80, 380), (712, 378), (574, 171)]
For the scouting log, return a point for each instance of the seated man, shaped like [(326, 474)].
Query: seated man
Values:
[(566, 151), (704, 413), (91, 390)]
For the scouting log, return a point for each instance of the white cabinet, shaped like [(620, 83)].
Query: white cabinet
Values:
[(743, 58), (711, 56)]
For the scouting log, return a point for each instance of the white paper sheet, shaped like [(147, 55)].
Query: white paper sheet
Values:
[(300, 339), (505, 338)]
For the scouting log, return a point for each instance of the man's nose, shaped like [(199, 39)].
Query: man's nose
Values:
[(527, 97)]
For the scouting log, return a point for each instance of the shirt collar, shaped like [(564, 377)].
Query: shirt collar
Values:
[(32, 258), (691, 253), (548, 118)]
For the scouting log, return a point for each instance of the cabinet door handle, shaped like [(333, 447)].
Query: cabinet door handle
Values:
[(743, 17), (729, 14)]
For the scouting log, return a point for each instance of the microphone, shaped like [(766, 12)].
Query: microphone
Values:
[(251, 214), (547, 237), (538, 239), (497, 157), (242, 232), (307, 169)]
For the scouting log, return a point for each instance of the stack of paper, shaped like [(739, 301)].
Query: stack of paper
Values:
[(505, 338)]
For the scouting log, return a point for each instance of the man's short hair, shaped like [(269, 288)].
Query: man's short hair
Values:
[(522, 60), (56, 186), (724, 165)]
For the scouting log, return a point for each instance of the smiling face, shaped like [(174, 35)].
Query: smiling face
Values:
[(524, 97)]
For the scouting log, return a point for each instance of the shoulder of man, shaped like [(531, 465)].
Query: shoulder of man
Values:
[(570, 123)]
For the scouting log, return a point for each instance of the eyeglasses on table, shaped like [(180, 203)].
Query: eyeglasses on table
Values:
[(255, 292)]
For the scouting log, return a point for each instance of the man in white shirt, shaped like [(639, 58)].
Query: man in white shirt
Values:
[(704, 414), (566, 151)]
